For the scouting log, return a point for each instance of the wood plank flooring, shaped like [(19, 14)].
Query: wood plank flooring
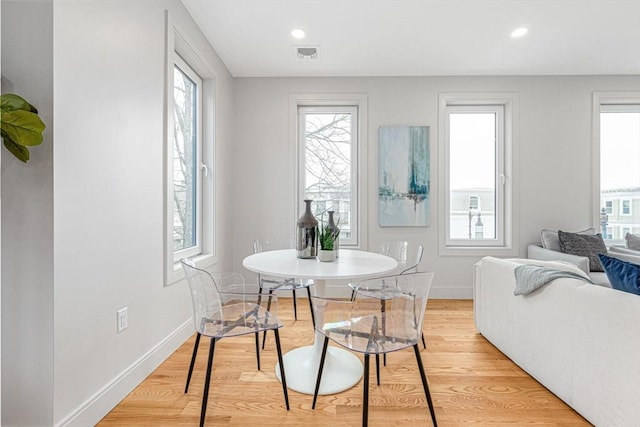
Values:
[(471, 382)]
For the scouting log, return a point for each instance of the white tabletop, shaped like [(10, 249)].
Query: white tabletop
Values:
[(350, 264)]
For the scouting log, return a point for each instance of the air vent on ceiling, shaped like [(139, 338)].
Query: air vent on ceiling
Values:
[(306, 53)]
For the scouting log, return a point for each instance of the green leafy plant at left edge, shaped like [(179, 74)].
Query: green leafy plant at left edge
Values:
[(20, 125)]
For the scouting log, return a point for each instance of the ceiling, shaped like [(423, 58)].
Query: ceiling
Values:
[(423, 37)]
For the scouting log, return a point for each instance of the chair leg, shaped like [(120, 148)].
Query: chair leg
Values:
[(295, 309), (365, 397), (313, 320), (425, 385), (378, 368), (264, 335), (207, 381), (193, 361), (424, 344), (353, 294), (257, 334), (284, 380), (320, 368)]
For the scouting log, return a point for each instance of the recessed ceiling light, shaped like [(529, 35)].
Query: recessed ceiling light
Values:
[(297, 33), (519, 32)]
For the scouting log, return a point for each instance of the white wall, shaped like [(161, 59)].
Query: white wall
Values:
[(27, 223), (108, 210), (553, 165)]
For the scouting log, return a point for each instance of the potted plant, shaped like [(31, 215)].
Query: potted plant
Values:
[(20, 126), (327, 238)]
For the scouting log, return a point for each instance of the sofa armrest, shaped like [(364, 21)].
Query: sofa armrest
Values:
[(542, 254), (624, 254)]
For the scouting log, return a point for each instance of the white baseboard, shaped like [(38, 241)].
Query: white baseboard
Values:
[(451, 293), (99, 405)]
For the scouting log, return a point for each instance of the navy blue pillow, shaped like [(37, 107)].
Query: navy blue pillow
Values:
[(623, 275)]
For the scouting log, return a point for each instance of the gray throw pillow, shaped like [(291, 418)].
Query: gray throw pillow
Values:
[(584, 245), (550, 240), (633, 241)]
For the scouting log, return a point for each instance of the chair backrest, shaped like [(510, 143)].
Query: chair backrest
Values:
[(272, 244), (408, 254), (386, 316), (206, 291), (405, 300)]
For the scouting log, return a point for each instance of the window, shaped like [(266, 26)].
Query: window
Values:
[(617, 139), (474, 203), (188, 151), (475, 172), (608, 206), (329, 154)]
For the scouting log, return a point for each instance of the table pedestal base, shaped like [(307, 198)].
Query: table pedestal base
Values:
[(342, 370)]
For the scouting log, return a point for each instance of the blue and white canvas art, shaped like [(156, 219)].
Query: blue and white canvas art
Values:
[(403, 176)]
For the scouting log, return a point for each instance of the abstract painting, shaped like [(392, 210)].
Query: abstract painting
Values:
[(403, 176)]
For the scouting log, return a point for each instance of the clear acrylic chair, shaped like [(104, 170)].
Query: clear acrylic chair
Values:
[(372, 325), (221, 309), (408, 255), (273, 283), (369, 324)]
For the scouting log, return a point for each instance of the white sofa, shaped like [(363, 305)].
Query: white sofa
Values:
[(582, 342)]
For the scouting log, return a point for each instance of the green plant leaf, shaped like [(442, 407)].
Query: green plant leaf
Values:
[(22, 153), (12, 102), (22, 127)]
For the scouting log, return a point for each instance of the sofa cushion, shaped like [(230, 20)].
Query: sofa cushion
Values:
[(550, 240), (583, 245), (633, 241), (623, 275)]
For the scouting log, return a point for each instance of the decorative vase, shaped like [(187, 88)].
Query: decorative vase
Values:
[(326, 255), (307, 239), (334, 229)]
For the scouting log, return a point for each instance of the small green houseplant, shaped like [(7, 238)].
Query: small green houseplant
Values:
[(20, 125), (327, 238)]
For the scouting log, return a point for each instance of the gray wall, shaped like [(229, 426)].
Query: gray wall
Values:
[(553, 165), (82, 223), (27, 223)]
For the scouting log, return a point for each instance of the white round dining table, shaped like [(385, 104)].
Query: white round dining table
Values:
[(342, 369)]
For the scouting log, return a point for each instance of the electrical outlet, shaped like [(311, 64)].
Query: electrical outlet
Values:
[(123, 319)]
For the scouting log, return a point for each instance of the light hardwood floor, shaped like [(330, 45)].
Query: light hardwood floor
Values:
[(471, 383)]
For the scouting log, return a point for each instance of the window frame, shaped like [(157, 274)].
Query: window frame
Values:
[(506, 242), (180, 47), (605, 101), (359, 162)]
